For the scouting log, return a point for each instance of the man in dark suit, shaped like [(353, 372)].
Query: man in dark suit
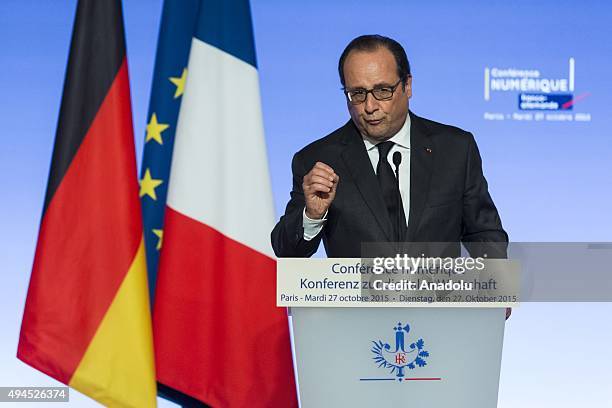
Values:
[(345, 185)]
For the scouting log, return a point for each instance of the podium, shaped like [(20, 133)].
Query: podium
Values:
[(354, 353), (341, 356)]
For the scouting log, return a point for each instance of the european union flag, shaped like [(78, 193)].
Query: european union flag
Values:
[(178, 24)]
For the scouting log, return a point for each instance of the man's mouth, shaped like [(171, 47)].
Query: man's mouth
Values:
[(373, 122)]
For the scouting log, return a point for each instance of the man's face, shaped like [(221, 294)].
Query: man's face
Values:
[(379, 120)]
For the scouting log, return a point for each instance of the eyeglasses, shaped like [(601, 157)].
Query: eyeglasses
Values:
[(384, 93)]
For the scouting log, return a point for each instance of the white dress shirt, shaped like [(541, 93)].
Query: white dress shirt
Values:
[(402, 145)]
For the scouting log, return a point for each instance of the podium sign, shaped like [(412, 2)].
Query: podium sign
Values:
[(397, 356)]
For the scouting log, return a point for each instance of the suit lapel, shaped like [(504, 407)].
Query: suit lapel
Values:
[(358, 163), (421, 166)]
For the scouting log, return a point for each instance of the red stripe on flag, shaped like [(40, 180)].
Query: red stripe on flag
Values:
[(88, 238), (219, 336)]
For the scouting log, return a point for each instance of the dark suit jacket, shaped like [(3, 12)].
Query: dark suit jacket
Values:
[(449, 199)]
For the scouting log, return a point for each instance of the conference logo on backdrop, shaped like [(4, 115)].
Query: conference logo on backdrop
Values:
[(399, 357), (530, 94)]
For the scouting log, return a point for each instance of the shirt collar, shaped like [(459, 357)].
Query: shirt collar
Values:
[(401, 138)]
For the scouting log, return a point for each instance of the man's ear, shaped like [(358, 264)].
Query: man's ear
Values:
[(408, 87)]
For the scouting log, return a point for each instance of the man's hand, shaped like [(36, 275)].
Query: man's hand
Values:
[(319, 187)]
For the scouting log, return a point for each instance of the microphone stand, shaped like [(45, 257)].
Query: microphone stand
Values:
[(397, 159)]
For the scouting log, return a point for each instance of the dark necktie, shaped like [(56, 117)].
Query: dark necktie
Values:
[(391, 194)]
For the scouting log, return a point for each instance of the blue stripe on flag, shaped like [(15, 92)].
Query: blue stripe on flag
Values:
[(226, 24), (176, 32)]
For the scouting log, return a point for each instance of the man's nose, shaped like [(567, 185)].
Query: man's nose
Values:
[(370, 104)]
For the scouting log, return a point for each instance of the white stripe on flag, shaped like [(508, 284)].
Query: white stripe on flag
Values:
[(219, 173)]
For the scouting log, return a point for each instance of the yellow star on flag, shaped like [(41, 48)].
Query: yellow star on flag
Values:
[(180, 83), (159, 234), (148, 185), (155, 129)]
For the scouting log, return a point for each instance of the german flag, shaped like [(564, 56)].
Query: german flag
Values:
[(87, 319)]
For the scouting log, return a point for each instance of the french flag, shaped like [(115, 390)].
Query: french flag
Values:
[(219, 336)]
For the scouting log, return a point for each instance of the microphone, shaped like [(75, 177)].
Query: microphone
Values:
[(397, 160)]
